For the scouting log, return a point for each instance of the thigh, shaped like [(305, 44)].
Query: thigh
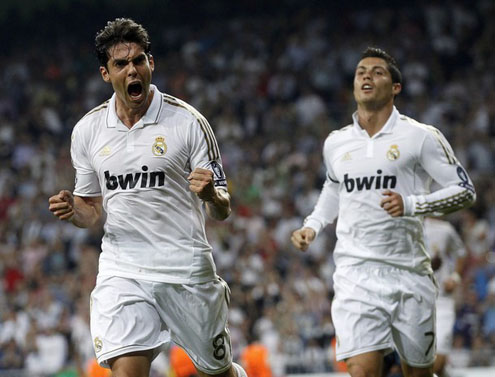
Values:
[(124, 319), (414, 330), (196, 316), (359, 313), (367, 364), (132, 364)]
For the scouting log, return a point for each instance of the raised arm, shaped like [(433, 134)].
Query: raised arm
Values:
[(217, 200)]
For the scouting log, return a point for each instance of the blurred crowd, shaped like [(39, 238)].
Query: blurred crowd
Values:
[(272, 87)]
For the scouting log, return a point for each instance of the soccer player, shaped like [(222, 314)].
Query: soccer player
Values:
[(379, 171), (151, 161), (448, 255)]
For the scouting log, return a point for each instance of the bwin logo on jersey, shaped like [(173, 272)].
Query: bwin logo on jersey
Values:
[(130, 180), (370, 183)]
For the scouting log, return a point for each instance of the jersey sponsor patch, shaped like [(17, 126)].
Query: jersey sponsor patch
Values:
[(218, 174), (461, 173), (129, 181), (373, 182)]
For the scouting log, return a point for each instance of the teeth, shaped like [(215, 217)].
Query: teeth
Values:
[(366, 86)]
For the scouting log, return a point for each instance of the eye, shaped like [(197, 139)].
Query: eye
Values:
[(140, 59)]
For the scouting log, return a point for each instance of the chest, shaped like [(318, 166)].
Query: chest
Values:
[(151, 148), (365, 157)]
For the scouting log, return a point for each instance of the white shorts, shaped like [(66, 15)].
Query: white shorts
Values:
[(130, 315), (445, 324), (381, 308)]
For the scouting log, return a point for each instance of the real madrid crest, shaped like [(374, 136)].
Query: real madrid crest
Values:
[(393, 153), (159, 147), (98, 344)]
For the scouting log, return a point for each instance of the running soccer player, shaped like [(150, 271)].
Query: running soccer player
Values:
[(379, 171), (448, 255), (151, 161)]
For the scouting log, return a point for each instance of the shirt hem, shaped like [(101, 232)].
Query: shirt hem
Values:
[(159, 279)]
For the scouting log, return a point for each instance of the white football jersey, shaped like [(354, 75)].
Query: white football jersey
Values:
[(443, 240), (155, 226), (405, 156)]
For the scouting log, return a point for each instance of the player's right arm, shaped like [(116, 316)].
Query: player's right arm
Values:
[(83, 212), (324, 213), (326, 208)]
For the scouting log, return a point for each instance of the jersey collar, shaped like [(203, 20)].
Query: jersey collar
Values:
[(149, 118), (387, 128)]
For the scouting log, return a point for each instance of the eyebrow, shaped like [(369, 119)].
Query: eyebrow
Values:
[(140, 57), (374, 67)]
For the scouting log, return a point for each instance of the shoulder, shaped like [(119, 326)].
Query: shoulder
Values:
[(337, 136), (417, 128), (92, 117), (173, 106), (95, 113)]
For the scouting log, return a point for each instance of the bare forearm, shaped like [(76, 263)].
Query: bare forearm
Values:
[(219, 207), (86, 212)]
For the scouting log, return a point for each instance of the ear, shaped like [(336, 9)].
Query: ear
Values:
[(152, 62), (396, 88), (104, 74)]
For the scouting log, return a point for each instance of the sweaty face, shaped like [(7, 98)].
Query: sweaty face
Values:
[(373, 87), (129, 71)]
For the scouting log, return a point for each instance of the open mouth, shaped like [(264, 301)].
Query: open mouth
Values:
[(135, 89)]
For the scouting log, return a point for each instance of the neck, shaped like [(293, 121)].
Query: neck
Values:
[(373, 120), (130, 116)]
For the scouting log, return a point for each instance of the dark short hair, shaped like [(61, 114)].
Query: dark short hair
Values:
[(393, 68), (117, 31)]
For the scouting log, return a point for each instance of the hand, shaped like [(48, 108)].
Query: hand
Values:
[(392, 203), (62, 205), (301, 238), (201, 183), (449, 285)]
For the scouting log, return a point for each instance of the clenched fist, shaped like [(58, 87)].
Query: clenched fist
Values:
[(301, 238), (62, 205), (201, 183)]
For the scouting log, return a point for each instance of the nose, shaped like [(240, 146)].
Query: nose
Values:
[(131, 71), (367, 75)]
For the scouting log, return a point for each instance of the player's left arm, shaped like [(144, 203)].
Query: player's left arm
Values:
[(207, 178), (457, 190), (217, 200)]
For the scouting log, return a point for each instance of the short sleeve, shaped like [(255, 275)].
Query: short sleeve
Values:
[(204, 151), (86, 181)]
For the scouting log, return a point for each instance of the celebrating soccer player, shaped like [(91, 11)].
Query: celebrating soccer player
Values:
[(151, 161)]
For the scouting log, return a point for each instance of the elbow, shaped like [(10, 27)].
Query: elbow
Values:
[(223, 215), (472, 199)]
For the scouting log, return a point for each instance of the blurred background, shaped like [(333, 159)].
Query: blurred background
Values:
[(273, 78)]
